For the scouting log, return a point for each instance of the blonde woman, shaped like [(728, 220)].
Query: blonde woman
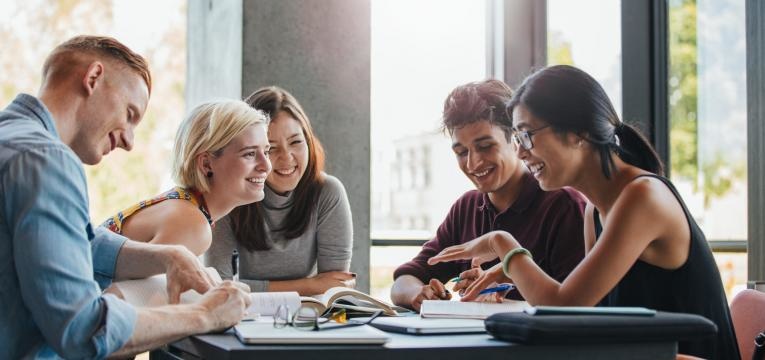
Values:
[(300, 237), (220, 161)]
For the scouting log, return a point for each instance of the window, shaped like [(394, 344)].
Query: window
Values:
[(589, 40), (421, 50), (708, 120), (123, 178)]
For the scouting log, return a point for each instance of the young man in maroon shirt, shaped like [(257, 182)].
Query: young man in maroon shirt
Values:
[(507, 197)]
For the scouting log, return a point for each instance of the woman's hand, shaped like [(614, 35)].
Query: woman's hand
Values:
[(484, 248), (327, 280), (484, 280), (467, 278)]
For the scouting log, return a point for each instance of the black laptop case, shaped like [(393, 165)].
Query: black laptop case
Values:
[(598, 329)]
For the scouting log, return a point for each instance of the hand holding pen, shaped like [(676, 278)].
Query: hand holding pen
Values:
[(477, 284), (487, 279), (465, 279), (433, 290)]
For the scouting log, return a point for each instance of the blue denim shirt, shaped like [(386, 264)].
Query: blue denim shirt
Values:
[(52, 263)]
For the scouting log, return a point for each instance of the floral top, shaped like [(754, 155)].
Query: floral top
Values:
[(178, 193)]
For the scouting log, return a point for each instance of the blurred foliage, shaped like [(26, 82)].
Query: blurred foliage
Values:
[(683, 91), (558, 49), (716, 175), (33, 28)]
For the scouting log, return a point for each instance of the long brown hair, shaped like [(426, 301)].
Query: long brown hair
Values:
[(247, 220)]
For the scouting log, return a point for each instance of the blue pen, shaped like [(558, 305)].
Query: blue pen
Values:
[(501, 287)]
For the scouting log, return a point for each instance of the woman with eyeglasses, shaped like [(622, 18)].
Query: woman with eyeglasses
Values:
[(643, 247)]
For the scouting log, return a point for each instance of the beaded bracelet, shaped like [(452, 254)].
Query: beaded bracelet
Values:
[(509, 255)]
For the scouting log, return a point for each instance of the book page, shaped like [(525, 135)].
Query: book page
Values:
[(468, 310), (265, 303), (355, 297)]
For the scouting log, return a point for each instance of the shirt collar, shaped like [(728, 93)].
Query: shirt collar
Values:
[(31, 106), (529, 189)]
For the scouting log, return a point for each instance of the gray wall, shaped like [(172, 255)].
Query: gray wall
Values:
[(317, 50), (320, 52)]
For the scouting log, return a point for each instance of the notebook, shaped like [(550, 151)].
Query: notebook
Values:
[(419, 326), (468, 310), (261, 332)]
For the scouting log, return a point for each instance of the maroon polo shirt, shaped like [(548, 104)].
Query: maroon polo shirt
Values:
[(548, 224)]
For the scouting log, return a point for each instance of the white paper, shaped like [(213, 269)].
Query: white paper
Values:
[(266, 303), (468, 310)]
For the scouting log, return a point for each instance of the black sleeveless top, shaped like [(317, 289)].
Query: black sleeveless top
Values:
[(695, 288)]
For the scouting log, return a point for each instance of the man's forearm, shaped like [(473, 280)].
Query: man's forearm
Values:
[(138, 260), (158, 326), (404, 289)]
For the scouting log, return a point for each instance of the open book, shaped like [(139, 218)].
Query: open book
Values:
[(152, 292), (468, 310), (350, 299)]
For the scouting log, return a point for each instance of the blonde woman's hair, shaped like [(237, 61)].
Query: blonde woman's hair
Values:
[(209, 128)]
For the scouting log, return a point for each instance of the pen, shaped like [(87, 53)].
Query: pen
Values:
[(235, 265), (456, 280), (500, 287)]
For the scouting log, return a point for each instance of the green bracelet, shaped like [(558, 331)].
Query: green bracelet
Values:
[(509, 255)]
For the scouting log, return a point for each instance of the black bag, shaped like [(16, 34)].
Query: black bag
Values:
[(598, 329)]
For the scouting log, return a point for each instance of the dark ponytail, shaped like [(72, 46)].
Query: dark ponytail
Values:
[(635, 149), (571, 101)]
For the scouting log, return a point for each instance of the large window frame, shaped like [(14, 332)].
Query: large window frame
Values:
[(755, 67), (517, 33), (645, 30), (525, 23)]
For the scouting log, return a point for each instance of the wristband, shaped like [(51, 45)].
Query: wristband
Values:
[(509, 255)]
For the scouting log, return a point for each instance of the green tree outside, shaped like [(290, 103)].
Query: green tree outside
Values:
[(30, 32), (714, 177)]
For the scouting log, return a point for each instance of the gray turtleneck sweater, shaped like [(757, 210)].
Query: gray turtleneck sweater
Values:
[(325, 246)]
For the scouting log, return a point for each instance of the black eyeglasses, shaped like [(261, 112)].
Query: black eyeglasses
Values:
[(522, 138), (307, 318)]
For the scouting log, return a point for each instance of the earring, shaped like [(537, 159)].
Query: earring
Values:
[(209, 174), (579, 143)]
